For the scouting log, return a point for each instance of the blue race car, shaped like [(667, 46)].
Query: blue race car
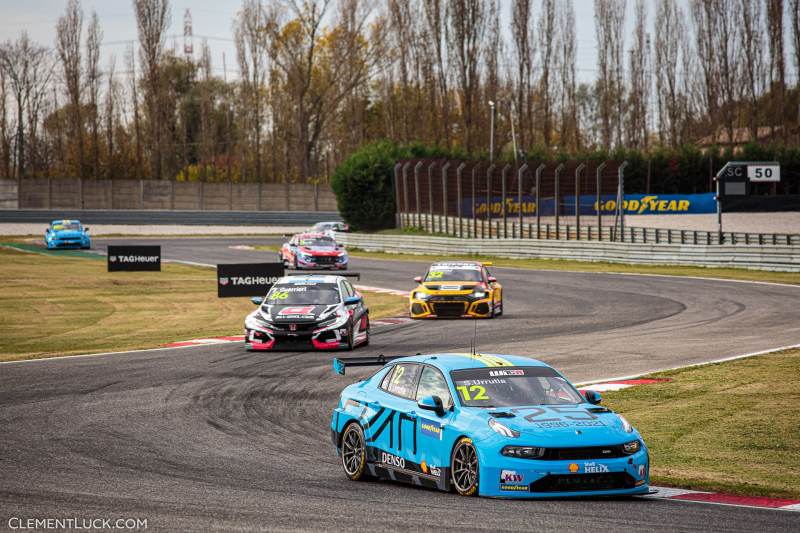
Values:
[(490, 425), (67, 234)]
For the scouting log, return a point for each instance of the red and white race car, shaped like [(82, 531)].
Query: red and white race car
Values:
[(313, 251)]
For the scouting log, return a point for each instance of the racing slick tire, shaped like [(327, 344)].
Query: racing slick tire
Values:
[(350, 341), (464, 468), (366, 339), (354, 453), (283, 261), (294, 264)]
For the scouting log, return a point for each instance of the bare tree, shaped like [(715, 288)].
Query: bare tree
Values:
[(466, 29), (110, 113), (68, 43), (670, 25), (753, 68), (639, 68), (152, 20), (524, 47), (5, 141), (251, 30), (547, 50), (609, 27), (137, 128), (27, 67), (570, 133), (777, 64), (794, 17), (435, 26), (93, 39)]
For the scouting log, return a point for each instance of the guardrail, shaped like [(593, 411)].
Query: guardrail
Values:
[(780, 258), (483, 229)]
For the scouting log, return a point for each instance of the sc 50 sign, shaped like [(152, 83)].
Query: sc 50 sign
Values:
[(763, 173)]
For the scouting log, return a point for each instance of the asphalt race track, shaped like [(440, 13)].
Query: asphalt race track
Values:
[(214, 437)]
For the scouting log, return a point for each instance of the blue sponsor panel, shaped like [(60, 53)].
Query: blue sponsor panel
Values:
[(634, 204)]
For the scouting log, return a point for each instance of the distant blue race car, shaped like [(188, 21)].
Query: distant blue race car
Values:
[(489, 425), (67, 234)]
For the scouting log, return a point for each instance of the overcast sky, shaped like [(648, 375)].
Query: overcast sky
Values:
[(213, 18)]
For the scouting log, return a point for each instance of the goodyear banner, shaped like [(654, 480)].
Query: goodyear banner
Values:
[(634, 204)]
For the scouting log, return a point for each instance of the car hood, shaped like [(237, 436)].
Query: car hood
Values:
[(321, 252), (298, 313), (68, 234), (450, 285), (565, 426)]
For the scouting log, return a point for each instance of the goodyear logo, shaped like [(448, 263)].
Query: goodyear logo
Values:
[(429, 428), (647, 205)]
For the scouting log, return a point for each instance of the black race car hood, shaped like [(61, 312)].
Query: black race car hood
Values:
[(298, 313)]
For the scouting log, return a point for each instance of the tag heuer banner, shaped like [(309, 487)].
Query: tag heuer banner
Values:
[(130, 258), (247, 279)]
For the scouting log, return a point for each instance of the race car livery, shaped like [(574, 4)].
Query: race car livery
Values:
[(313, 251), (67, 234), (480, 424), (455, 289), (308, 312)]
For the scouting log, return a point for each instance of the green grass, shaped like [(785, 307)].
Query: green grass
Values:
[(60, 303), (584, 266), (730, 427)]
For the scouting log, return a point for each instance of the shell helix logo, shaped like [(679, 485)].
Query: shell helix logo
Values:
[(573, 467)]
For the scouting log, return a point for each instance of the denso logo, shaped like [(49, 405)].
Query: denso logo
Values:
[(389, 459)]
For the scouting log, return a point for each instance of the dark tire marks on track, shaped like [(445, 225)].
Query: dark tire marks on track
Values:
[(217, 438)]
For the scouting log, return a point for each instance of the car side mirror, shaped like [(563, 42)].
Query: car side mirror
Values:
[(418, 279), (86, 229), (352, 300), (492, 279), (592, 397), (432, 403), (257, 300)]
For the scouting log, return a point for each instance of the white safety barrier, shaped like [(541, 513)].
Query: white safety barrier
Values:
[(774, 258)]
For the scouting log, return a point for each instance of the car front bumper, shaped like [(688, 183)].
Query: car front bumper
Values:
[(505, 477), (323, 338), (314, 264), (440, 306)]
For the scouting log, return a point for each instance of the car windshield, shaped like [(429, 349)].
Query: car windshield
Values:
[(67, 226), (454, 273), (318, 242), (293, 294), (513, 387)]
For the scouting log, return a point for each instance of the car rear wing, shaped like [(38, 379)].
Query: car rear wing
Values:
[(340, 364), (356, 275)]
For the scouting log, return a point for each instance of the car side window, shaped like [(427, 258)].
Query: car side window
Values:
[(347, 290), (402, 381), (432, 383)]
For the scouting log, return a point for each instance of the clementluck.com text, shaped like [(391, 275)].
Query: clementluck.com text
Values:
[(17, 523)]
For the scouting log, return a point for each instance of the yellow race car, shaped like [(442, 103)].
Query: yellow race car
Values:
[(456, 289)]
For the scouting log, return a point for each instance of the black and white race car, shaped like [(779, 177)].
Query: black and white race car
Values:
[(310, 312)]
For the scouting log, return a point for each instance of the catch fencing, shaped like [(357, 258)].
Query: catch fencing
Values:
[(780, 258), (569, 200)]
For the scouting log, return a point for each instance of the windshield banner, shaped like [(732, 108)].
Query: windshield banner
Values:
[(247, 279), (634, 204), (134, 258)]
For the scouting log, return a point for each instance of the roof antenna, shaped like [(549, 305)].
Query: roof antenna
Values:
[(475, 338)]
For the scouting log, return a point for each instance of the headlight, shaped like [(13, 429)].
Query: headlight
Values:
[(419, 295), (625, 424), (522, 452), (632, 447), (479, 293), (502, 429), (254, 322), (305, 257), (342, 258)]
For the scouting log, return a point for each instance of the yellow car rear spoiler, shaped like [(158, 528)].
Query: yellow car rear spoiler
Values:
[(486, 263)]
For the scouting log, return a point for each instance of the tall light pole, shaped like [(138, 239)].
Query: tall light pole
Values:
[(491, 132)]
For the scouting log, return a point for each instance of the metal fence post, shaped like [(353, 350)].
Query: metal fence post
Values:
[(416, 192), (444, 199), (539, 170), (578, 200), (488, 220), (430, 196), (459, 208), (520, 172), (405, 192), (395, 184), (141, 194), (599, 177), (557, 199), (503, 206), (474, 209), (621, 199)]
